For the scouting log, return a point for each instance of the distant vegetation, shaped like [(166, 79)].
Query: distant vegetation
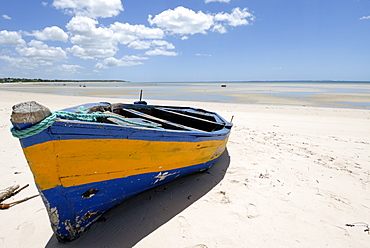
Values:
[(17, 80)]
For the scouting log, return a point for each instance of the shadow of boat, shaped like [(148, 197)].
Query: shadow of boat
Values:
[(128, 223)]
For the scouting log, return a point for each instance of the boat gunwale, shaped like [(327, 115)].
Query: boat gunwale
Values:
[(218, 119)]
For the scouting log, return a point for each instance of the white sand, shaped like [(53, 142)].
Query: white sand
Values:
[(291, 177)]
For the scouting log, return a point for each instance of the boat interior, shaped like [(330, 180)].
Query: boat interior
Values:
[(176, 118)]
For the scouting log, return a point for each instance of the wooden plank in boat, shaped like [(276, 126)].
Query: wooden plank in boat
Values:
[(123, 123), (159, 120), (211, 125)]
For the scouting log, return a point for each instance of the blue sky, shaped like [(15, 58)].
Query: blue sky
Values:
[(189, 40)]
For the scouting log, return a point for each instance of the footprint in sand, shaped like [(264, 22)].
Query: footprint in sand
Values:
[(184, 227), (252, 211)]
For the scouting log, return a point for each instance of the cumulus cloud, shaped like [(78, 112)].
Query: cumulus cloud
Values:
[(123, 62), (35, 53), (51, 33), (37, 50), (140, 44), (6, 17), (11, 38), (237, 17), (203, 55), (145, 44), (94, 9), (90, 41), (93, 41), (184, 21), (92, 53), (133, 57), (365, 17), (159, 51), (69, 68), (19, 62), (125, 33)]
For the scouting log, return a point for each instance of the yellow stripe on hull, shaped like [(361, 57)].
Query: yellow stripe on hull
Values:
[(77, 162)]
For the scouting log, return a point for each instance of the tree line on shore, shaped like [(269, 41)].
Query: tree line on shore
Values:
[(18, 80)]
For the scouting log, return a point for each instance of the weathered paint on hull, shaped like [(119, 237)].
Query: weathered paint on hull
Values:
[(72, 216), (83, 169)]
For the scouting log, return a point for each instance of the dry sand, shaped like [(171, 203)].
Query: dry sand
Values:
[(292, 176)]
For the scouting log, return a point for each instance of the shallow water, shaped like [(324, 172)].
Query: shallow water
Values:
[(333, 94)]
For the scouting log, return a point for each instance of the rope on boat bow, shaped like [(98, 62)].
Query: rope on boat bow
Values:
[(82, 116)]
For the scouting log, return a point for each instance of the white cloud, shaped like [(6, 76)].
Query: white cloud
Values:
[(91, 53), (159, 51), (19, 62), (125, 33), (237, 17), (91, 8), (147, 44), (123, 62), (11, 38), (365, 17), (44, 4), (42, 53), (203, 55), (82, 25), (221, 1), (93, 41), (51, 33), (163, 44), (36, 53), (6, 17), (219, 28), (140, 44), (69, 68), (184, 21), (133, 57)]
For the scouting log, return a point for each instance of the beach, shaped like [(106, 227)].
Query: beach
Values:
[(294, 175)]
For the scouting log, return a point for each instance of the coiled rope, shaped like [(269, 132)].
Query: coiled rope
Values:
[(82, 116)]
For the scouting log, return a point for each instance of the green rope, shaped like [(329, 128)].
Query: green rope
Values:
[(82, 116)]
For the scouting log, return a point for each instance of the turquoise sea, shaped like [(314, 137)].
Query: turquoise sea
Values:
[(316, 93)]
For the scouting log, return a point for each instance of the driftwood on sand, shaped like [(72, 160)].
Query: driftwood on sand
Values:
[(9, 192)]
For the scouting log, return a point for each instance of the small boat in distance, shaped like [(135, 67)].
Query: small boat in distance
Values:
[(89, 158)]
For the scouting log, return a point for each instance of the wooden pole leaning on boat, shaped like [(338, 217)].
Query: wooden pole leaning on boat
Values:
[(28, 112), (8, 205), (11, 191)]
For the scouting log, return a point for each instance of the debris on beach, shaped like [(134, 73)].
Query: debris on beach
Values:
[(367, 229), (8, 192)]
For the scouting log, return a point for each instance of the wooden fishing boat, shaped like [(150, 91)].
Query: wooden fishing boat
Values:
[(89, 158)]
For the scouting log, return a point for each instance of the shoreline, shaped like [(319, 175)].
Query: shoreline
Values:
[(291, 176), (343, 95)]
